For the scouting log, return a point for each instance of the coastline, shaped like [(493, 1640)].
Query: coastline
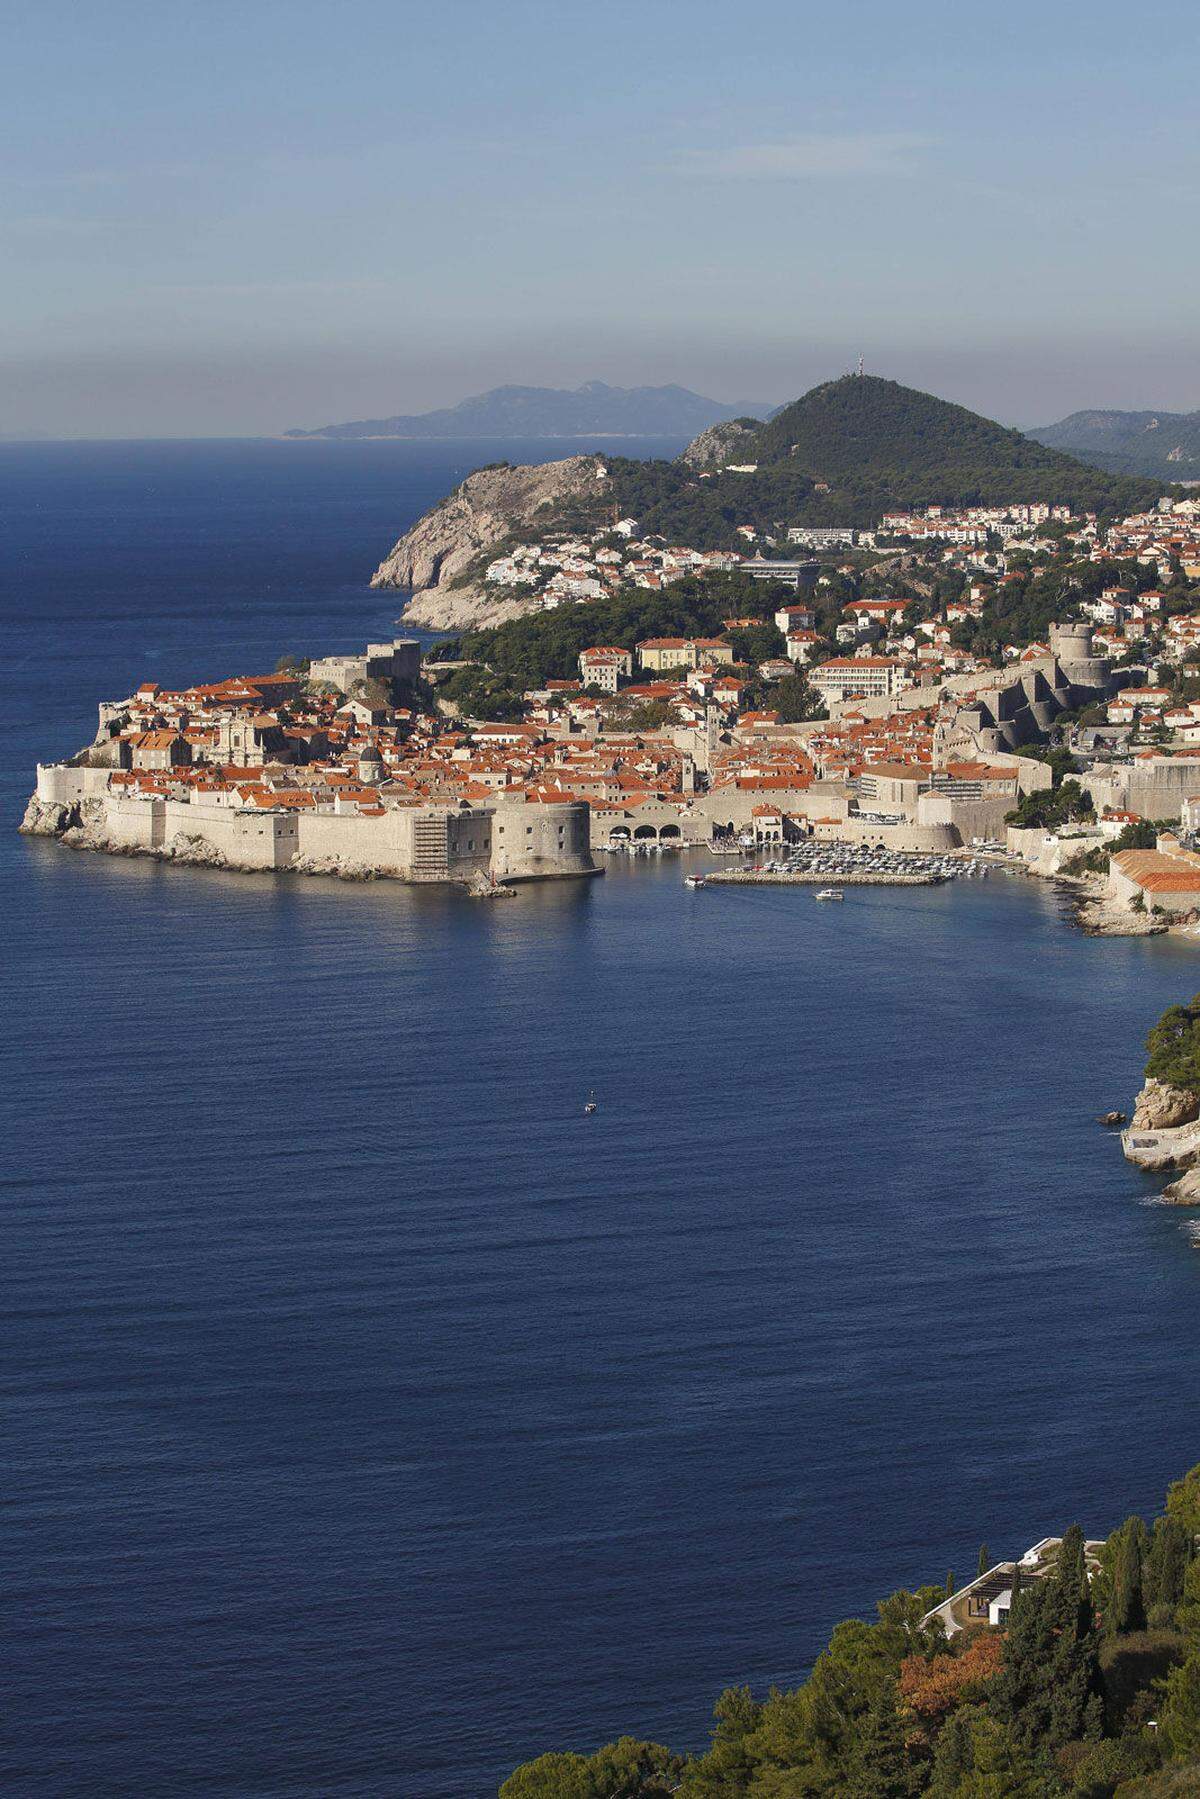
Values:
[(409, 1009), (88, 837), (1091, 911)]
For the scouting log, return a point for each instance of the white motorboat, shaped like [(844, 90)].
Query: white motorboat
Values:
[(831, 893)]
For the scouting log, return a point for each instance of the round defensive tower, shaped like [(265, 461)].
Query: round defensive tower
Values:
[(1071, 646)]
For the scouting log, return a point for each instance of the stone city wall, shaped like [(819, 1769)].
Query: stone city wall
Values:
[(510, 840), (1155, 788)]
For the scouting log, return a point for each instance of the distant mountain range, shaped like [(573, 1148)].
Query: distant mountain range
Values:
[(593, 410), (1166, 444)]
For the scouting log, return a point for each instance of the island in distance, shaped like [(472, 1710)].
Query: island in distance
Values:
[(593, 410)]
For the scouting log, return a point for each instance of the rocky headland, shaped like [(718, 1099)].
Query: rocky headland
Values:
[(444, 556), (1163, 1134)]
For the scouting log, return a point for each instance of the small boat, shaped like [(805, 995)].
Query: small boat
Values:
[(590, 1107), (693, 880), (831, 893)]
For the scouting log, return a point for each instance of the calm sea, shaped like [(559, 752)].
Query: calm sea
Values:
[(372, 1419)]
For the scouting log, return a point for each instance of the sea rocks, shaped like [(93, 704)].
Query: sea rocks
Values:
[(1098, 916), (1161, 1107), (444, 554), (196, 852), (1185, 1191), (48, 818)]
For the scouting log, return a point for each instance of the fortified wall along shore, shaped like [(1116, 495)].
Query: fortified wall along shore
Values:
[(348, 766)]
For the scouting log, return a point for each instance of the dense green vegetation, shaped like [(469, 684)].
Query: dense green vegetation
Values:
[(844, 454), (545, 646), (1173, 1049), (1141, 836), (870, 437), (1041, 592), (671, 500), (922, 450), (1065, 1702), (1064, 804), (792, 698), (478, 694)]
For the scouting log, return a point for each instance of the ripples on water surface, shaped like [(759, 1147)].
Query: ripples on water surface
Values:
[(373, 1419)]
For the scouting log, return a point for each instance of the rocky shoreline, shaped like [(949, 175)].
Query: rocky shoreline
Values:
[(1096, 915), (1163, 1134), (81, 828), (1088, 907)]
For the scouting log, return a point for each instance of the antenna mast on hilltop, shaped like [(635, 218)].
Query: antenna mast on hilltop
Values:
[(860, 367)]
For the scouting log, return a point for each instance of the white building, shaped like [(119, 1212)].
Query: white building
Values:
[(863, 677)]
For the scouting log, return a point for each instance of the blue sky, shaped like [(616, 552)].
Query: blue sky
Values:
[(229, 218)]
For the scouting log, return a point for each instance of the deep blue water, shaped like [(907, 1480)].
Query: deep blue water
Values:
[(373, 1420)]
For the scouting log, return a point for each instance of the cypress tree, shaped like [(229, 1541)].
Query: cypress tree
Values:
[(984, 1559), (1127, 1608), (1179, 1719), (949, 1582), (1166, 1563), (1046, 1691)]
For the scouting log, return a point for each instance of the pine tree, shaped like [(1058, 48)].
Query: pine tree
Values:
[(880, 1765), (976, 1756), (1187, 1615), (984, 1559), (954, 1757)]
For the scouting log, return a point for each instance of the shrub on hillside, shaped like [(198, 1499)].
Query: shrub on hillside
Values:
[(1129, 1667)]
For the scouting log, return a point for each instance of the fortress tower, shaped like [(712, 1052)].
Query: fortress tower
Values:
[(1071, 646)]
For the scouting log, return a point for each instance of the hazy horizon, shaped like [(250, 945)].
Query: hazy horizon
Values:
[(33, 436), (223, 223)]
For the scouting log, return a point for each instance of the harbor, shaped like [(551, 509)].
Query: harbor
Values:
[(849, 865), (781, 877)]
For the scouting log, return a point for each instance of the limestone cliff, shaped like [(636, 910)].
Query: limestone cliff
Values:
[(440, 558), (1160, 1107), (719, 444)]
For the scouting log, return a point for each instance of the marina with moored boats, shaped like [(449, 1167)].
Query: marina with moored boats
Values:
[(832, 866)]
